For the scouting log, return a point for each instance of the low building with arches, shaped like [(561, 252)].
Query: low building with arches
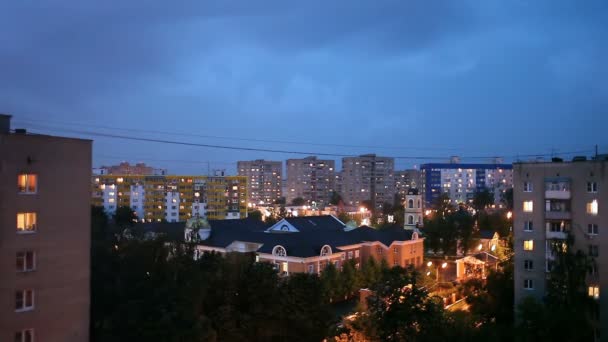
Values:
[(309, 244)]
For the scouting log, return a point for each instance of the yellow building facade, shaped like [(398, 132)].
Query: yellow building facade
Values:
[(172, 198)]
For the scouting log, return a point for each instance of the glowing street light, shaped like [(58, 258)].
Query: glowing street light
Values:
[(509, 215), (429, 264)]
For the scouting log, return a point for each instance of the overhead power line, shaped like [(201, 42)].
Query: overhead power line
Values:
[(194, 135), (268, 150)]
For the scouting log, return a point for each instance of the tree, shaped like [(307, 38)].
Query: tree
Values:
[(280, 201), (463, 223), (566, 298), (335, 198), (507, 198), (255, 215), (298, 201), (483, 199), (125, 217)]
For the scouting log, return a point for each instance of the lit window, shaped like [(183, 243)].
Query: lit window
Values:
[(26, 222), (528, 265), (591, 187), (27, 183), (594, 291), (173, 200), (528, 226), (350, 254), (528, 284), (395, 250), (26, 261), (527, 187), (235, 187), (592, 229), (110, 200), (120, 180), (24, 300), (111, 193), (528, 206), (26, 335), (592, 207), (356, 253), (528, 245), (197, 194)]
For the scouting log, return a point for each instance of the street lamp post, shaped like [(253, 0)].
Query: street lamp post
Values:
[(443, 266)]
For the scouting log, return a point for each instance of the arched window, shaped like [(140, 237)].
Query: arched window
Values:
[(418, 204), (410, 203), (410, 219), (279, 251), (414, 236), (326, 250), (419, 219)]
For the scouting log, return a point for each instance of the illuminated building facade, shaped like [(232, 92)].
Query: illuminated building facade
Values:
[(172, 198)]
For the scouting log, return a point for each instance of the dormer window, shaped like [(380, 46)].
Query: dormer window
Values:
[(284, 228), (326, 250), (279, 251)]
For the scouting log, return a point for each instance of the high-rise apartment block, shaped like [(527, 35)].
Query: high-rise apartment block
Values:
[(311, 179), (264, 180), (405, 180), (173, 198), (368, 178), (552, 200), (461, 181), (45, 236), (125, 168)]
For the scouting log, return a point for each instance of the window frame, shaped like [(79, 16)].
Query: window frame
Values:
[(529, 244), (26, 217), (528, 284), (24, 257), (24, 300), (22, 335), (593, 229), (27, 186), (528, 206), (528, 226), (528, 187), (528, 265), (591, 187)]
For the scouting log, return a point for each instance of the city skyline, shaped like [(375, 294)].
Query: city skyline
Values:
[(430, 79)]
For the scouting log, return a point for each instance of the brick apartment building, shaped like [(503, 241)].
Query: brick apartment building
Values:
[(44, 236)]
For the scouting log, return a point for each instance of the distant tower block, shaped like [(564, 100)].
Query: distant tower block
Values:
[(413, 209)]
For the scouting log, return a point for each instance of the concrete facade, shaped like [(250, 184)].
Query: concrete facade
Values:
[(550, 200), (311, 179), (264, 180), (55, 238), (368, 178)]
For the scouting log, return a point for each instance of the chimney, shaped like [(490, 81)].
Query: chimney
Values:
[(5, 123)]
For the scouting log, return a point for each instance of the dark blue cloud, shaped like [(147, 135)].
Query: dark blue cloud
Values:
[(434, 77)]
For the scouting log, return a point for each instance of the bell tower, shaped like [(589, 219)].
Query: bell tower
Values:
[(413, 209)]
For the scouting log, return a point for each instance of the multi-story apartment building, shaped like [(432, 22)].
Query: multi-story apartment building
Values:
[(264, 180), (311, 179), (125, 168), (45, 236), (172, 198), (551, 200), (405, 180), (460, 181), (368, 178)]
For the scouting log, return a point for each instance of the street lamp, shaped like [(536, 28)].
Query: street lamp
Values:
[(443, 266)]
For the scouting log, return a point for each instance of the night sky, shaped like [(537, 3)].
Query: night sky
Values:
[(399, 78)]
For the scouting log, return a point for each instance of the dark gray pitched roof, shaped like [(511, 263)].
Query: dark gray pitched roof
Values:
[(486, 234), (315, 232)]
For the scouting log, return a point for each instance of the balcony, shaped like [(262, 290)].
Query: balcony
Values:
[(558, 215), (558, 188), (557, 210), (557, 194), (551, 234)]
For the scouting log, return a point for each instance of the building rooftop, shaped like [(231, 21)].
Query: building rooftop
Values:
[(313, 232)]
